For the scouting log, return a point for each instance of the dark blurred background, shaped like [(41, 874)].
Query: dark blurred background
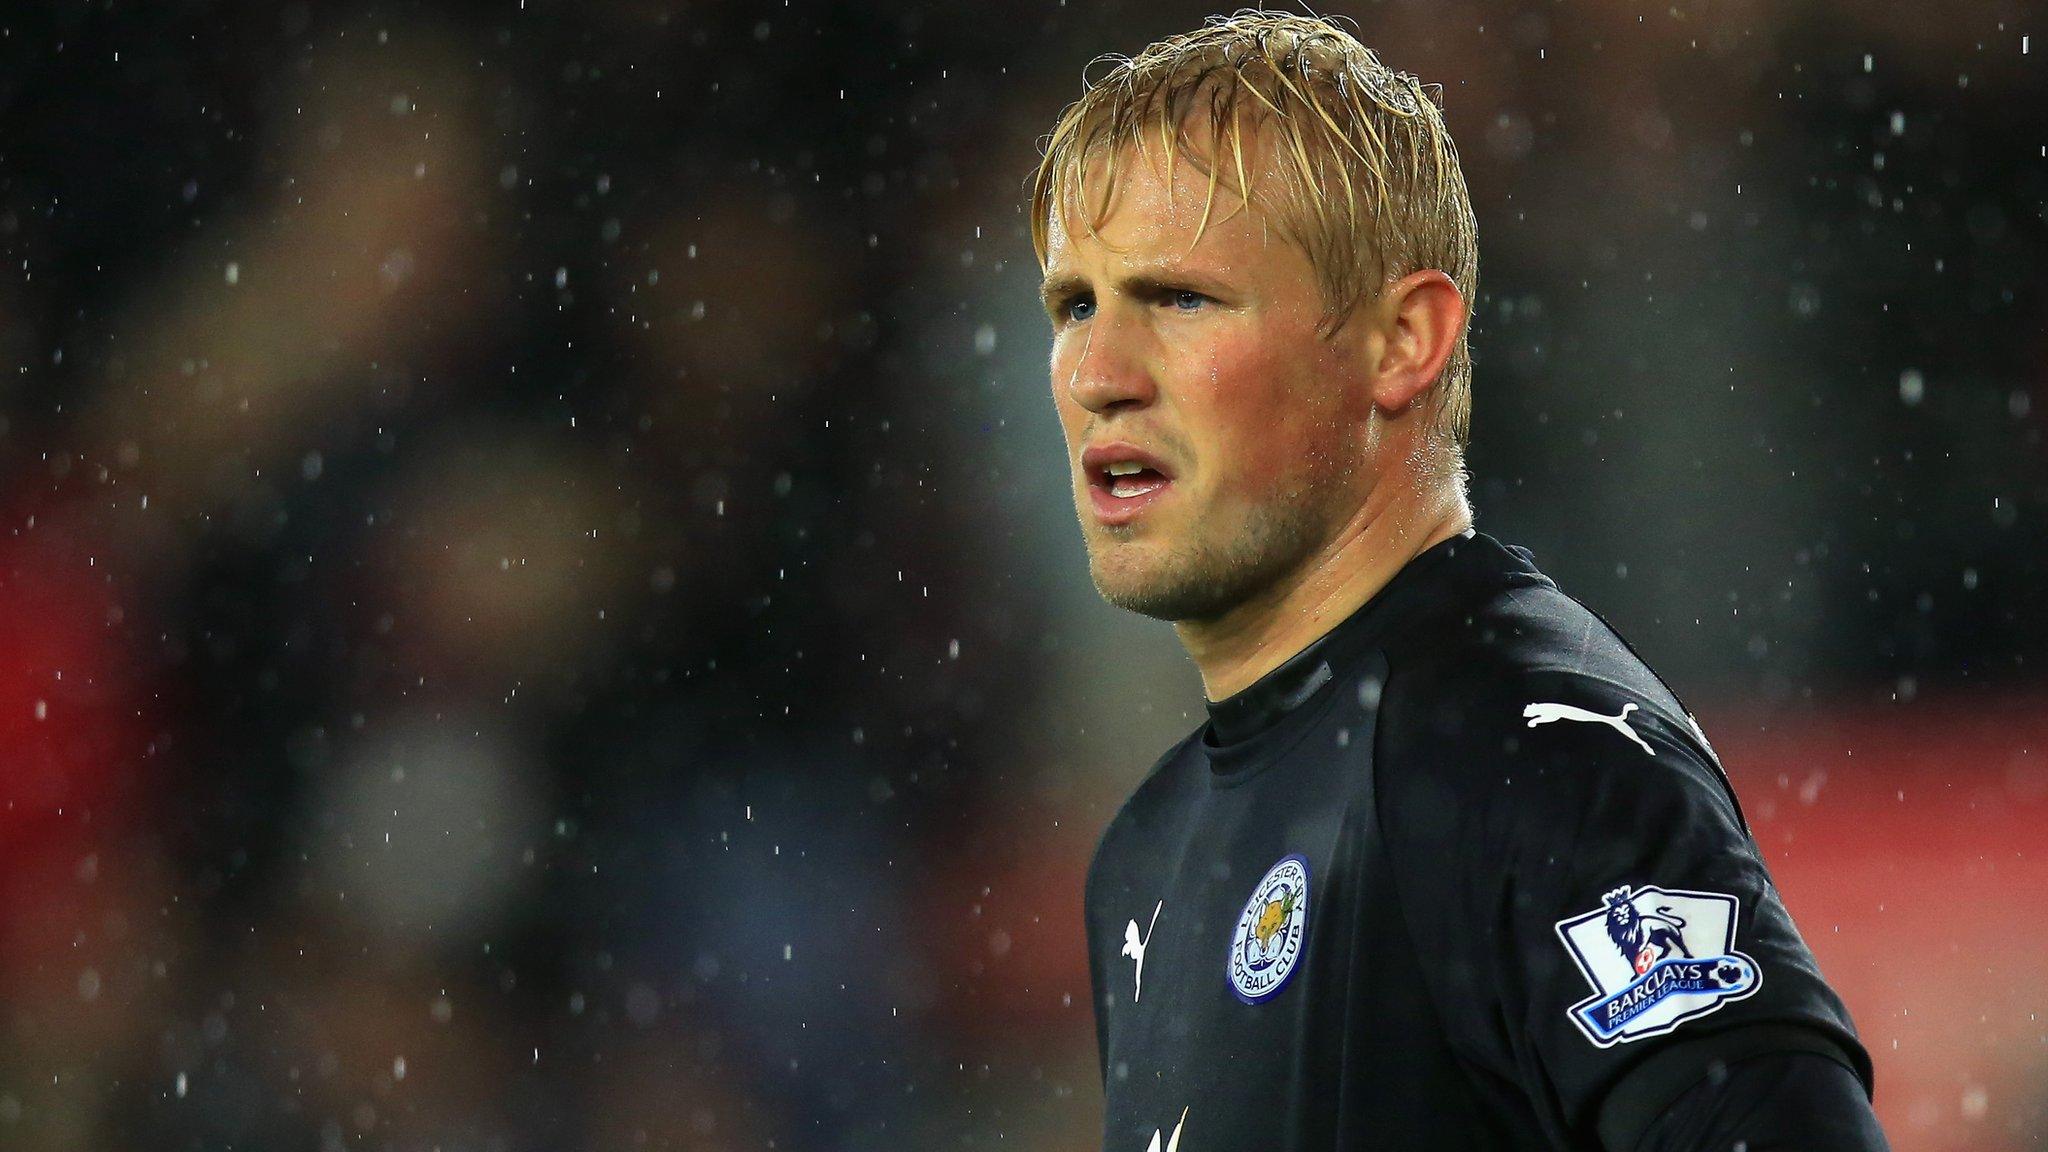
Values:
[(540, 605)]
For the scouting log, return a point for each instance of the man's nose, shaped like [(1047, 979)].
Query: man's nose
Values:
[(1114, 367)]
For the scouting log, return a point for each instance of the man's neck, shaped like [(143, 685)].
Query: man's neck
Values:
[(1236, 649)]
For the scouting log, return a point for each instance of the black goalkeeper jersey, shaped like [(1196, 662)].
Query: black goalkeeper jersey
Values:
[(1464, 873)]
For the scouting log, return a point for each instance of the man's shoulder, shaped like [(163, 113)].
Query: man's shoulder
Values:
[(1514, 643), (1528, 694)]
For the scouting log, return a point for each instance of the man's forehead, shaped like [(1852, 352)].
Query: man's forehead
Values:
[(1123, 204)]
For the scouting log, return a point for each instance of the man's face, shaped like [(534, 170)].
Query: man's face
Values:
[(1205, 357)]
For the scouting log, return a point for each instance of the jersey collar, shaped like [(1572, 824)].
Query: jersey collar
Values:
[(1261, 706)]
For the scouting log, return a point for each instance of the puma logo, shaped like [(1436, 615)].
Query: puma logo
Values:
[(1173, 1143), (1547, 713), (1134, 947)]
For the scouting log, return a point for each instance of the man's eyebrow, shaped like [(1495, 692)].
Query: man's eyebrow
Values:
[(1148, 280), (1060, 287)]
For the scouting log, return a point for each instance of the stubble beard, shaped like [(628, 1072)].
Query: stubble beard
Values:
[(1212, 569)]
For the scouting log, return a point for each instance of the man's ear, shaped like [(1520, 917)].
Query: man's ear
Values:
[(1420, 317)]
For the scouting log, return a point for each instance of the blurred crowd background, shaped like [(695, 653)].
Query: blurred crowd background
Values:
[(541, 608)]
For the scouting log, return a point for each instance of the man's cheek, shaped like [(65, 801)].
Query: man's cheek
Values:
[(1255, 432)]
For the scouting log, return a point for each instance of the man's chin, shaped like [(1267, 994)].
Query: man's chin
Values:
[(1158, 589), (1185, 581)]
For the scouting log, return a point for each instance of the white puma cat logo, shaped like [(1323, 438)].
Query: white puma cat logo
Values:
[(1134, 947), (1546, 713), (1173, 1143)]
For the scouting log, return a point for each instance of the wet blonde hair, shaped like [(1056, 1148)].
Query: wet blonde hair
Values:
[(1371, 189)]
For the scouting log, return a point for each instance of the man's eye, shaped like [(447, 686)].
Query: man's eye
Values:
[(1188, 301), (1080, 309)]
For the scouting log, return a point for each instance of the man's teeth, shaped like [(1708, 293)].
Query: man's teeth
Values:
[(1124, 482)]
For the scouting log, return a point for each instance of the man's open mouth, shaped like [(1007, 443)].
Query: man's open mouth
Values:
[(1123, 480), (1131, 479)]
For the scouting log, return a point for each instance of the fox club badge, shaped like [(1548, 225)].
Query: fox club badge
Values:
[(1267, 944), (1656, 958)]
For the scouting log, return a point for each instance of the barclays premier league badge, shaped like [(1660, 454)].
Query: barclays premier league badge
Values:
[(1270, 931), (1656, 958)]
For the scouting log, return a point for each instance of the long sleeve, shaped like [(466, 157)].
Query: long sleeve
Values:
[(1774, 1102)]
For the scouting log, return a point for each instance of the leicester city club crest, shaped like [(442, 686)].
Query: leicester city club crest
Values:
[(1267, 944), (1656, 957)]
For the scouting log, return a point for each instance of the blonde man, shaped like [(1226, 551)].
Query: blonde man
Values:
[(1447, 865)]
